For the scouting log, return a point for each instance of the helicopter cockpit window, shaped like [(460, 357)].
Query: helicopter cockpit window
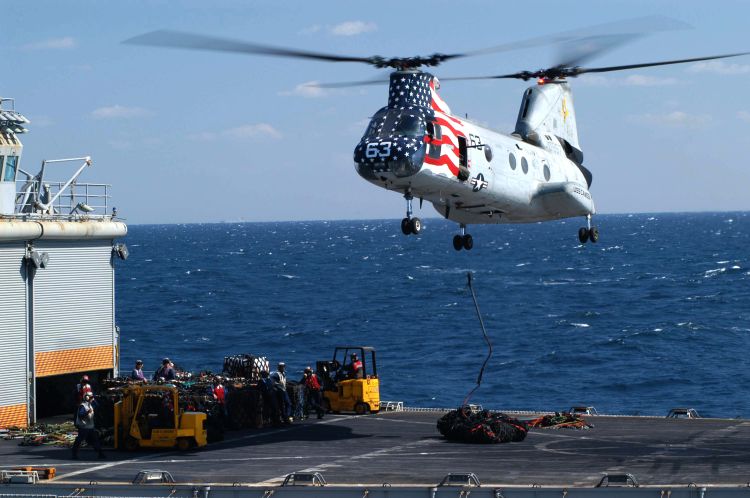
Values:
[(374, 126), (410, 125)]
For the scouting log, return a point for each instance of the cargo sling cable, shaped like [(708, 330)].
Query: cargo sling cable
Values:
[(467, 426), (486, 339)]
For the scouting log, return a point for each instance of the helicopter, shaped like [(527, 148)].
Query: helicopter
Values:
[(470, 173)]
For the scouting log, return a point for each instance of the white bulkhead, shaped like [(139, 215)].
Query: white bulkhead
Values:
[(58, 247)]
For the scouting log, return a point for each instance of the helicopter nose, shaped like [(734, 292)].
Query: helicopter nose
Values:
[(400, 156)]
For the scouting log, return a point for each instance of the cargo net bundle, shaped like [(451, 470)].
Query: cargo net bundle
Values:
[(467, 426), (246, 366)]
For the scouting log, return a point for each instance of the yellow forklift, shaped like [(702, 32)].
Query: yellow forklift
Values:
[(148, 416), (350, 381)]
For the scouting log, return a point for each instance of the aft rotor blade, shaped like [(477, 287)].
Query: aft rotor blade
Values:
[(580, 44), (583, 70), (191, 41)]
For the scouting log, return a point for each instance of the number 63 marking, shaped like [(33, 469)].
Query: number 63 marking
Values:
[(380, 149)]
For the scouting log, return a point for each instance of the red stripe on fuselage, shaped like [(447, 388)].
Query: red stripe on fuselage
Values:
[(443, 141), (445, 123), (443, 161)]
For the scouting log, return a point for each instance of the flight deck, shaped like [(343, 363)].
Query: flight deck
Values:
[(405, 449)]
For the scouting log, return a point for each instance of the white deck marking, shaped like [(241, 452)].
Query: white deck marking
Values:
[(98, 467), (340, 461), (215, 445)]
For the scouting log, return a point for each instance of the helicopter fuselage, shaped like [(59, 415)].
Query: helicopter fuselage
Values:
[(471, 174)]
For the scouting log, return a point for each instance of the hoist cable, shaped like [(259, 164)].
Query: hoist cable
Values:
[(486, 339)]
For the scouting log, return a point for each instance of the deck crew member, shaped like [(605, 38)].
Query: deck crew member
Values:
[(84, 422), (219, 392), (312, 390), (137, 373), (166, 372), (82, 388), (356, 371), (279, 380), (270, 399)]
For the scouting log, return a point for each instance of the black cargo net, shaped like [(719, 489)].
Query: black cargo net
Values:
[(467, 426)]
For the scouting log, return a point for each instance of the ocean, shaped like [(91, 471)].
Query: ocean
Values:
[(656, 315)]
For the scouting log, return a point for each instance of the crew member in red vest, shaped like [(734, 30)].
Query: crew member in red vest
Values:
[(219, 392), (356, 371), (82, 388), (312, 385)]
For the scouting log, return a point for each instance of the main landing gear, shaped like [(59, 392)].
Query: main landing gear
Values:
[(463, 241), (410, 225), (588, 232)]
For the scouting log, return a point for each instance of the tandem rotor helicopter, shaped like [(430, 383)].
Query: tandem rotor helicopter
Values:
[(470, 174)]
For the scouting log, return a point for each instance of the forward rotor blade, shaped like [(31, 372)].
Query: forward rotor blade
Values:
[(519, 76), (582, 70), (179, 39)]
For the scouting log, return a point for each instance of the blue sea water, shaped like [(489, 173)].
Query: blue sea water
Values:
[(654, 316)]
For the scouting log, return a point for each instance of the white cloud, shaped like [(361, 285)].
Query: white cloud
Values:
[(120, 112), (630, 80), (352, 28), (674, 119), (346, 28), (308, 90), (64, 43), (744, 116), (719, 67)]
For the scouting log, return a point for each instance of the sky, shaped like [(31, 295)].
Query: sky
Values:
[(189, 136)]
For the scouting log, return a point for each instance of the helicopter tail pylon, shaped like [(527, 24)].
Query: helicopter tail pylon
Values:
[(547, 109)]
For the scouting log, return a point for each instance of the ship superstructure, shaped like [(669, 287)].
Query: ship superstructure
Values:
[(57, 254)]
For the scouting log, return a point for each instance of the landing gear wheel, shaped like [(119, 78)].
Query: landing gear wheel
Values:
[(468, 242), (583, 235), (416, 226), (184, 443), (458, 242), (406, 226), (594, 234), (360, 408), (130, 443)]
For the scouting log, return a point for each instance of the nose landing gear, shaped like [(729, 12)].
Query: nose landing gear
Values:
[(463, 241), (410, 225), (588, 232)]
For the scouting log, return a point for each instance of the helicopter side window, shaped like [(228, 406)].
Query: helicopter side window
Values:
[(436, 134)]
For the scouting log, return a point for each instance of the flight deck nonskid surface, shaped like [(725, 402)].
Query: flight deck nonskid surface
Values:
[(403, 448)]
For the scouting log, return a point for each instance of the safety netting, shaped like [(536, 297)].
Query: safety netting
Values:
[(560, 421)]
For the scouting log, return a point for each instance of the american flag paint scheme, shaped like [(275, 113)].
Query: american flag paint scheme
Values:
[(470, 173)]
